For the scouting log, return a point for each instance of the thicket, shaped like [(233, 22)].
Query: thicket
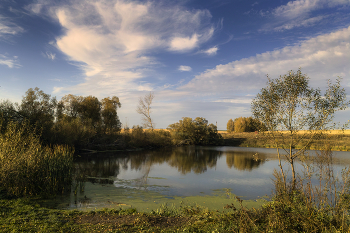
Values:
[(27, 167), (145, 138), (194, 132)]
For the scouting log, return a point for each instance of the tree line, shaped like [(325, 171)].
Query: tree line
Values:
[(85, 122)]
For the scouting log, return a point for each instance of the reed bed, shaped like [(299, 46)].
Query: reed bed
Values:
[(28, 168)]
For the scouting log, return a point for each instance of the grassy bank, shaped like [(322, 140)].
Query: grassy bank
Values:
[(337, 140), (23, 215)]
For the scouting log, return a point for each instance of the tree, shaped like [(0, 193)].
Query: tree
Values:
[(197, 131), (289, 104), (230, 126), (247, 124), (109, 113), (90, 110), (39, 109), (71, 105), (144, 109)]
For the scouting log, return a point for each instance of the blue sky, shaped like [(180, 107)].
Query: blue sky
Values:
[(201, 58)]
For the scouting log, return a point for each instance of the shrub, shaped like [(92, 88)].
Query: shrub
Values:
[(247, 124), (28, 168), (195, 132)]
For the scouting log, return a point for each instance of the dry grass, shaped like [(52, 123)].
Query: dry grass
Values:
[(28, 168), (337, 141)]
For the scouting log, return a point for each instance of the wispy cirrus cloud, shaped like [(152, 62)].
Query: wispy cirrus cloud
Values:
[(49, 55), (8, 28), (299, 13), (9, 62), (322, 57)]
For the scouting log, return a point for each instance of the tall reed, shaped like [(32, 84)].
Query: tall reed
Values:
[(28, 168)]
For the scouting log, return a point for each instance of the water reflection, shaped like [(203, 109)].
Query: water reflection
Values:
[(192, 159), (244, 160), (185, 159), (156, 176)]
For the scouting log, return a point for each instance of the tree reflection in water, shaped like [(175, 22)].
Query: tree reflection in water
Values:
[(184, 159), (244, 160), (187, 159)]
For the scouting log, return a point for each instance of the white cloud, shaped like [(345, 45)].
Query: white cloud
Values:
[(10, 62), (112, 41), (301, 23), (50, 55), (185, 68), (8, 28), (322, 57), (299, 13), (235, 101), (211, 51), (296, 8), (184, 43)]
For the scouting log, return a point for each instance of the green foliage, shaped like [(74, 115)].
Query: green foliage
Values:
[(39, 109), (230, 126), (109, 114), (289, 104), (247, 124), (141, 138), (90, 111), (28, 168), (8, 113), (194, 132), (72, 132)]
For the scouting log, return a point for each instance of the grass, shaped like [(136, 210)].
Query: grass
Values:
[(23, 215), (28, 168)]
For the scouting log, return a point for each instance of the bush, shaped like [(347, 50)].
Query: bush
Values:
[(28, 168), (72, 132), (247, 124), (194, 132), (144, 138)]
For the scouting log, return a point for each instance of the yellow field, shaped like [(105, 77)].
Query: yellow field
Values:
[(347, 131)]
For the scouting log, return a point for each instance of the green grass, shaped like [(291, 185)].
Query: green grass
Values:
[(23, 215)]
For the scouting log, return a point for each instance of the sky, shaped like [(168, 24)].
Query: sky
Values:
[(200, 58)]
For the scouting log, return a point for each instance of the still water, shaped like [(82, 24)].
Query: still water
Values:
[(209, 176)]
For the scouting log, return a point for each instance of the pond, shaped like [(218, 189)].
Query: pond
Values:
[(207, 176)]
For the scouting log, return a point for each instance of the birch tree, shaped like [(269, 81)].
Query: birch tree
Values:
[(288, 105), (144, 109)]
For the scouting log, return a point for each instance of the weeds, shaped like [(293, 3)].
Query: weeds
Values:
[(28, 168)]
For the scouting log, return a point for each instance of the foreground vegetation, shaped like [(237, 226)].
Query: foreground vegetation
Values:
[(28, 168), (283, 214)]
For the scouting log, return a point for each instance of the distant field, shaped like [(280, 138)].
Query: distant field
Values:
[(337, 140), (347, 131)]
